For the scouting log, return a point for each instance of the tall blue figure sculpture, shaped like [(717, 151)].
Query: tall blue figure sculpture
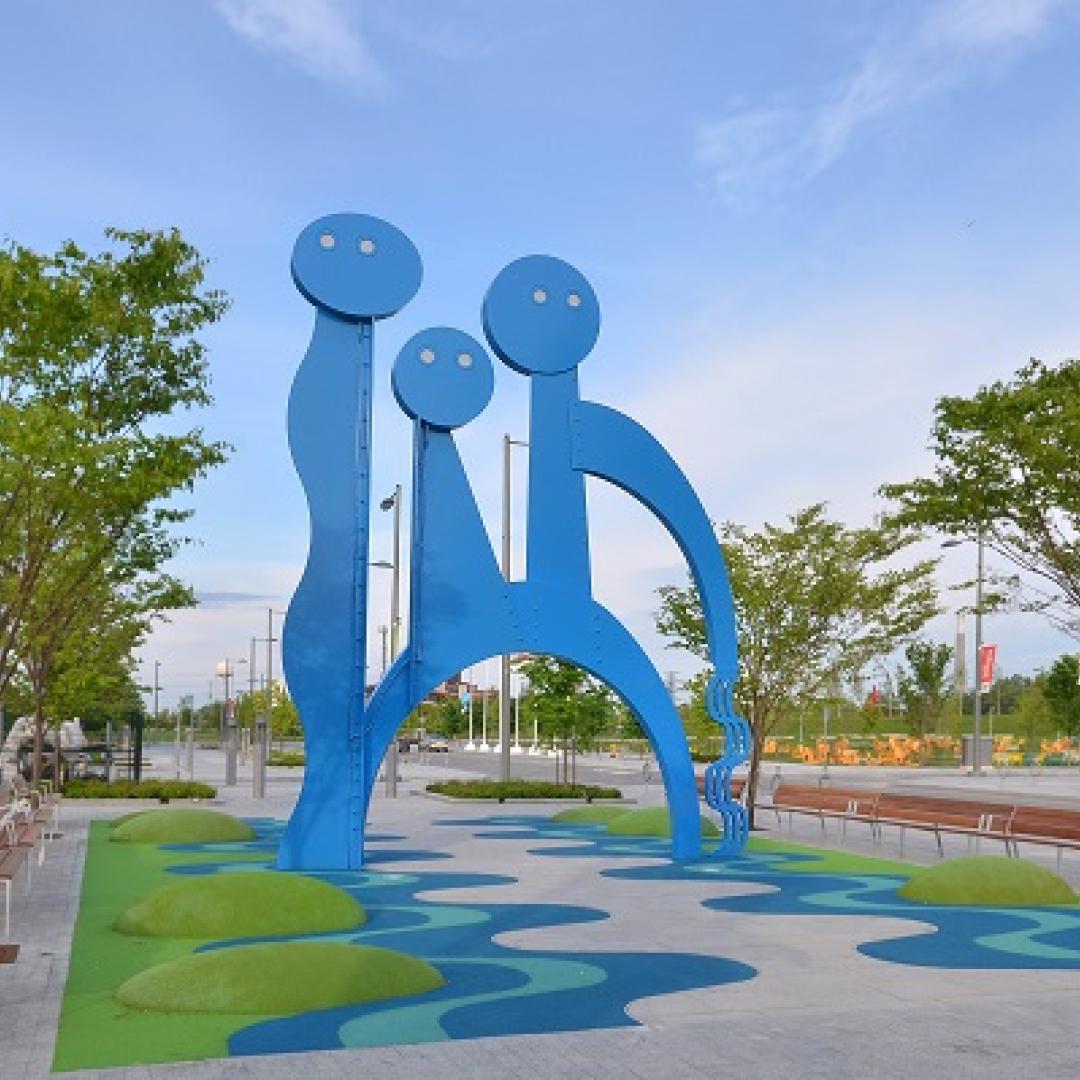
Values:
[(355, 269), (542, 319)]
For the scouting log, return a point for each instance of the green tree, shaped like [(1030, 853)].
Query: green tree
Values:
[(924, 686), (1033, 719), (96, 350), (448, 716), (1008, 469), (566, 702), (1062, 692), (284, 720), (815, 602)]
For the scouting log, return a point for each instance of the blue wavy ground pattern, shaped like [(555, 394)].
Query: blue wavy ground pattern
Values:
[(494, 990)]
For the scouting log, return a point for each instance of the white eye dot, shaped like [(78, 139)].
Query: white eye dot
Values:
[(427, 356), (539, 296), (367, 246), (573, 299), (464, 360), (327, 241)]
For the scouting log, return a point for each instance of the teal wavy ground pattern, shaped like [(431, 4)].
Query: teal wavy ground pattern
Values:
[(495, 990)]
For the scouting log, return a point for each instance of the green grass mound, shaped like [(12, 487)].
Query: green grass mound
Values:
[(652, 821), (987, 879), (182, 826), (590, 815), (278, 979), (241, 905)]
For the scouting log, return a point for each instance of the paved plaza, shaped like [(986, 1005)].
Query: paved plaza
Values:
[(813, 992)]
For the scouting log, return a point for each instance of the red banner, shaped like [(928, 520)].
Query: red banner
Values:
[(987, 663)]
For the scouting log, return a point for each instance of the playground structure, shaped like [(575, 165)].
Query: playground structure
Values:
[(542, 319)]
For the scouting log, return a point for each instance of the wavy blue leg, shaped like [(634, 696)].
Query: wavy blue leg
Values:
[(323, 641)]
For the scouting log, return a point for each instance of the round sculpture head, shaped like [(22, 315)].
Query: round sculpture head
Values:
[(541, 315), (443, 377), (356, 266)]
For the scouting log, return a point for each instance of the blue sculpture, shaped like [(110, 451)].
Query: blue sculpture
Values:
[(542, 319)]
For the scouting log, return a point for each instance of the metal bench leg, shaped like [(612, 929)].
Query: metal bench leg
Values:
[(821, 818), (7, 909), (902, 839), (1059, 860), (940, 847)]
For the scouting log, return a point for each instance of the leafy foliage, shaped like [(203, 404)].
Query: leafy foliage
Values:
[(924, 686), (96, 350), (284, 718), (1008, 469), (815, 603), (1062, 693), (565, 700), (143, 789)]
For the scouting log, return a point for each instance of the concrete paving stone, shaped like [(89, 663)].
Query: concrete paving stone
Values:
[(817, 1008)]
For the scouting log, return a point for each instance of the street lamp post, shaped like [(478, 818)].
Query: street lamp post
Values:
[(504, 687), (976, 750), (393, 502), (225, 671)]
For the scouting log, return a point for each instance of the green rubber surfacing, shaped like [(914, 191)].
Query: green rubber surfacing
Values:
[(242, 905), (181, 826), (279, 979), (988, 880), (651, 821)]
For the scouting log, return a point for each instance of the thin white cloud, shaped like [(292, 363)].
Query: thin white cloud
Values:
[(763, 149), (320, 36)]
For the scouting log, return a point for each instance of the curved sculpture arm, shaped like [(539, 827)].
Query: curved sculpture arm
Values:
[(610, 445)]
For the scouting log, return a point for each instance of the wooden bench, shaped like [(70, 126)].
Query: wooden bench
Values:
[(975, 819), (823, 803), (11, 860), (1046, 826), (1009, 823)]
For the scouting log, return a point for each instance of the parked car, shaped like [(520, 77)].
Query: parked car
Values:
[(435, 746)]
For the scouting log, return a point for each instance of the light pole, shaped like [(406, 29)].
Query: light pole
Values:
[(263, 717), (226, 672), (393, 502), (976, 751), (504, 686)]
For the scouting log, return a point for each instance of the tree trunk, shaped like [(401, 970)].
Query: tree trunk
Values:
[(756, 743), (39, 736)]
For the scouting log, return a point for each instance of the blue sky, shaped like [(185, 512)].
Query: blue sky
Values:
[(804, 222)]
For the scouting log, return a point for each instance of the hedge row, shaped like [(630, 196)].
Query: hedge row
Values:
[(520, 789), (144, 789), (286, 757)]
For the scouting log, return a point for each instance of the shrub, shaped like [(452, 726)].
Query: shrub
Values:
[(143, 789), (181, 826), (278, 979), (255, 904), (286, 757), (987, 879), (520, 789)]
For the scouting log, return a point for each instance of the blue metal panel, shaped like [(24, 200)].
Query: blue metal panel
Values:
[(610, 445), (541, 315), (354, 269), (444, 376), (542, 319)]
